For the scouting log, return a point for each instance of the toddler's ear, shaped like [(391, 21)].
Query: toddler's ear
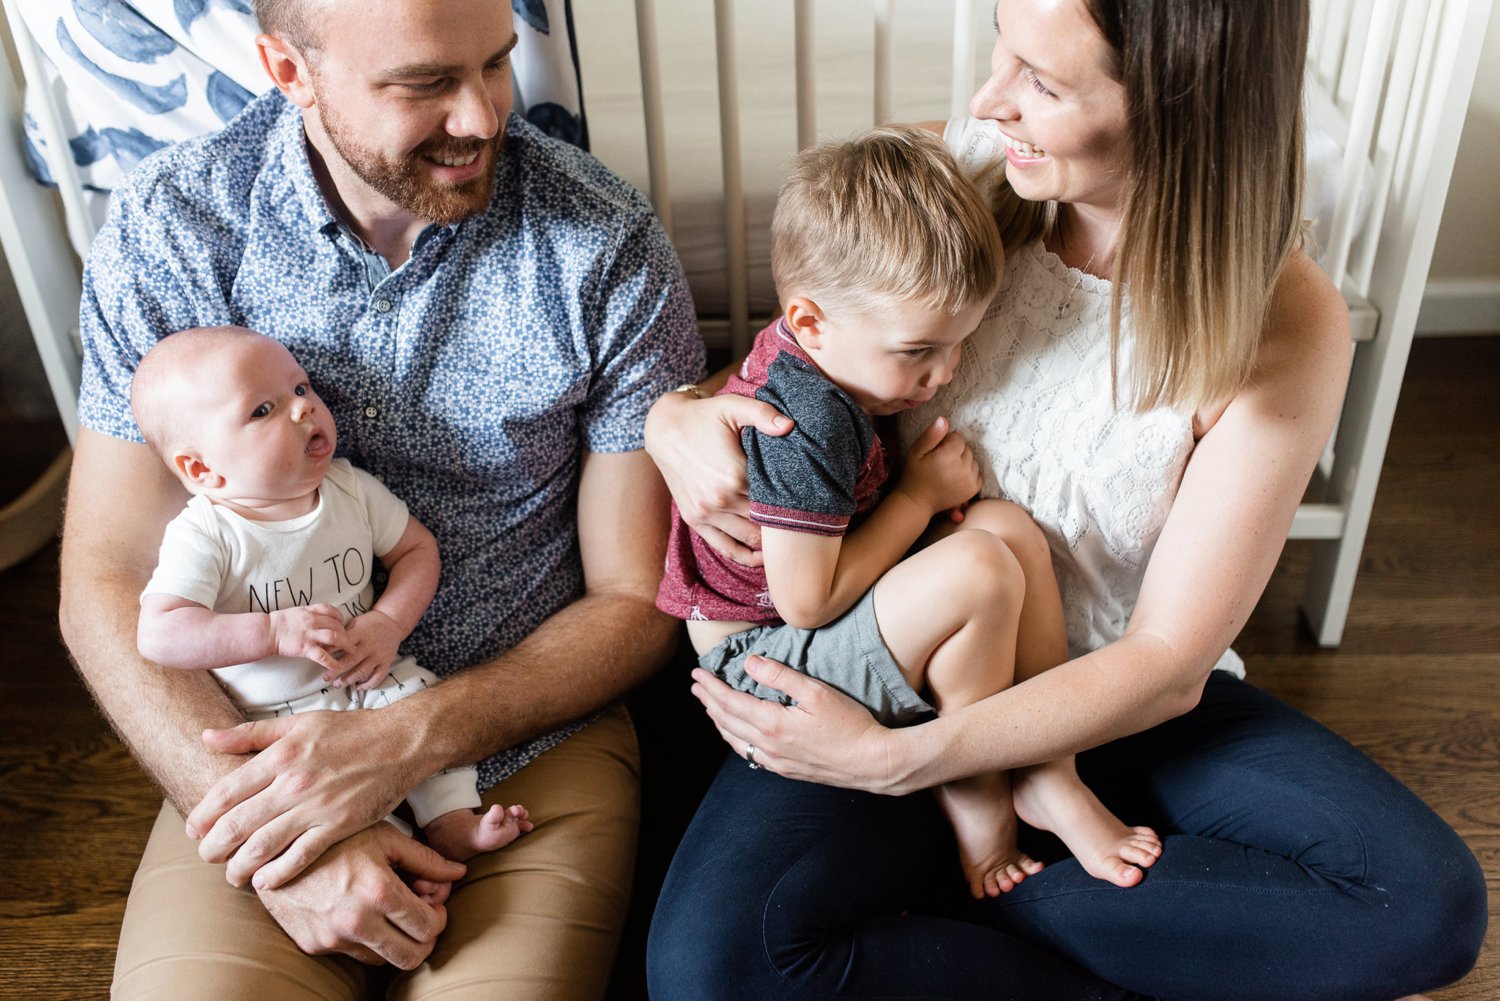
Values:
[(805, 318), (195, 471)]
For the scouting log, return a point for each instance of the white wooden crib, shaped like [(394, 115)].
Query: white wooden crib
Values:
[(704, 108)]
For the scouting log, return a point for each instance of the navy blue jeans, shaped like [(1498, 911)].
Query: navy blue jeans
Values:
[(1294, 867)]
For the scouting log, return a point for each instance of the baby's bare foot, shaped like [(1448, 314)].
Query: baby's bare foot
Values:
[(461, 834), (984, 823), (1053, 798)]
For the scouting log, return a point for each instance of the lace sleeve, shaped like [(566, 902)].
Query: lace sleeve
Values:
[(979, 150)]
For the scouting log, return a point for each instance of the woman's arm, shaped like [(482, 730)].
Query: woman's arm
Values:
[(1220, 543)]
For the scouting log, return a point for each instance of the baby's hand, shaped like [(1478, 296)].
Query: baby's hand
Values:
[(373, 639), (941, 471), (312, 631)]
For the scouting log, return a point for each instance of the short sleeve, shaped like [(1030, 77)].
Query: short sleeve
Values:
[(133, 295), (192, 562), (979, 150), (805, 481), (648, 338), (387, 512)]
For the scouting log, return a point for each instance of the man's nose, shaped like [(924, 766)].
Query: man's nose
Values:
[(474, 113)]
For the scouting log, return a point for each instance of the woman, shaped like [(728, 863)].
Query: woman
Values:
[(1162, 438)]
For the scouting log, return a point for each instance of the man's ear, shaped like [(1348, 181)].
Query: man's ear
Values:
[(195, 471), (287, 68), (806, 319)]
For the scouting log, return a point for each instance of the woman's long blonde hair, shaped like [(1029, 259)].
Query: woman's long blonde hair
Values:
[(1213, 195)]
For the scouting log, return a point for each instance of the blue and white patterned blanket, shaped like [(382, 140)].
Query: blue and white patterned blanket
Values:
[(141, 75)]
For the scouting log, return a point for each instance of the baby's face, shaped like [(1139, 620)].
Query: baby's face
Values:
[(894, 358), (261, 430)]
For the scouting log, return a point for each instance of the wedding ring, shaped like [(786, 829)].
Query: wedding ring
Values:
[(750, 757)]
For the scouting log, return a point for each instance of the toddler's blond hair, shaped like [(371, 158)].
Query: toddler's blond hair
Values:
[(884, 217)]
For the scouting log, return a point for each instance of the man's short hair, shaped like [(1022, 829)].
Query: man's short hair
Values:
[(293, 20), (886, 216)]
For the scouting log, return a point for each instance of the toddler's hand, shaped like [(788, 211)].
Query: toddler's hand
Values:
[(373, 639), (312, 631), (941, 471)]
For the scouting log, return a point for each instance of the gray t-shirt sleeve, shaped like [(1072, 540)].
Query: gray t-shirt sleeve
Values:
[(805, 481)]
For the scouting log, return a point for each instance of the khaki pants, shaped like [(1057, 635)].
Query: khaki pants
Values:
[(538, 919)]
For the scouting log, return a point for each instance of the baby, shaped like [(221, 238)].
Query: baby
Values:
[(885, 260), (267, 576)]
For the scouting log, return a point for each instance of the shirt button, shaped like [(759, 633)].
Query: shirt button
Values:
[(371, 412), (382, 305)]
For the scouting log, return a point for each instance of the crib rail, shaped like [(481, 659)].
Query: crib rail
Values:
[(882, 19)]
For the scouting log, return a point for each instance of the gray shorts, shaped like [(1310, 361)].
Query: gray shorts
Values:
[(848, 654)]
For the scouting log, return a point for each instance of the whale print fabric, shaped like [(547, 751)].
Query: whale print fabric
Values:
[(143, 75)]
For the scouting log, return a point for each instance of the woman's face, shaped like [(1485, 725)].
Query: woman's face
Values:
[(1062, 115)]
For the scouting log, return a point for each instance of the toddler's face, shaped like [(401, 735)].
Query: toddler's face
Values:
[(263, 432), (893, 358)]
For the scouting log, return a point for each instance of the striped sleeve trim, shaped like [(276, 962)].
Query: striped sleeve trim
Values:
[(798, 521)]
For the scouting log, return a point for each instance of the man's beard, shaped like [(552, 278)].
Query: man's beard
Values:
[(405, 180)]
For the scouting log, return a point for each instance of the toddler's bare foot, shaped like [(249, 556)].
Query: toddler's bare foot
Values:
[(461, 834), (984, 822), (1053, 798)]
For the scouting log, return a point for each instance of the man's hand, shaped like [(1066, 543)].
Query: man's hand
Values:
[(312, 631), (373, 639), (352, 900), (696, 445), (318, 778), (941, 471)]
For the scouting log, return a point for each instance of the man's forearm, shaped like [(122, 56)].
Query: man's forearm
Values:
[(160, 714), (579, 660)]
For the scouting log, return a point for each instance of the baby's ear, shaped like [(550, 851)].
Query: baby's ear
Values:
[(195, 472)]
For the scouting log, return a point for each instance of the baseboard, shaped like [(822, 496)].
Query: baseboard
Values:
[(1460, 306)]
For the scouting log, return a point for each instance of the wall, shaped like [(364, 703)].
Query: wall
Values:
[(1463, 287)]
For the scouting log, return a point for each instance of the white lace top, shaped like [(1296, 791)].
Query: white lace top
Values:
[(1032, 395)]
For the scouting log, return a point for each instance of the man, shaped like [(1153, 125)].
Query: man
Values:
[(487, 314)]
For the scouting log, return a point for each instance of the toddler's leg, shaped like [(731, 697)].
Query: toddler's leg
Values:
[(948, 616), (1051, 796), (461, 834)]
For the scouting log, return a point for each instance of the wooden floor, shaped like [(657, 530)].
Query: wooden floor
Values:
[(1416, 683)]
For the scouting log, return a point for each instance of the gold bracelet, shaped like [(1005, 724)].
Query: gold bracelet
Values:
[(691, 388)]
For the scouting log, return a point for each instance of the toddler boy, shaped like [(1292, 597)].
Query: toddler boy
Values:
[(885, 260)]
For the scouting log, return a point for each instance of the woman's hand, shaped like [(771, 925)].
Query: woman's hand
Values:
[(696, 445), (826, 737)]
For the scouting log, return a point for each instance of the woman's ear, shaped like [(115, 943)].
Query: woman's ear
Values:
[(805, 319)]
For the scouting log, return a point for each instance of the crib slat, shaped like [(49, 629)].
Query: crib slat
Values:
[(1403, 94), (1362, 117), (885, 15), (80, 221), (656, 140), (1336, 27), (807, 98), (736, 253), (963, 58)]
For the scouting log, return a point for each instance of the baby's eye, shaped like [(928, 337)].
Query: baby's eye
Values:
[(261, 411), (301, 389), (915, 352)]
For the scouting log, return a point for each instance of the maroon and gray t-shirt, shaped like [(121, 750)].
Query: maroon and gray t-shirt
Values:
[(818, 478)]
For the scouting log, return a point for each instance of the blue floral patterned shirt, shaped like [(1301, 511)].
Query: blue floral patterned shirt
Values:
[(470, 380)]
